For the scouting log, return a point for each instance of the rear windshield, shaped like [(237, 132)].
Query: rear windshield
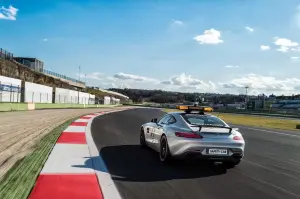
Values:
[(195, 119)]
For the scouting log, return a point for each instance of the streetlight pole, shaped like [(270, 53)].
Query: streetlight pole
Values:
[(246, 101), (79, 73)]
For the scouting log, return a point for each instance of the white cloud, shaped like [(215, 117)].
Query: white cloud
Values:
[(294, 58), (186, 83), (95, 75), (211, 36), (231, 66), (249, 29), (264, 84), (178, 22), (125, 76), (285, 45), (9, 13), (264, 48), (185, 80)]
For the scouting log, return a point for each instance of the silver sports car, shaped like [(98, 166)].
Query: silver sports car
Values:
[(193, 134)]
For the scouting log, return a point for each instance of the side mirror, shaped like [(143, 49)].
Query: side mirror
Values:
[(154, 120)]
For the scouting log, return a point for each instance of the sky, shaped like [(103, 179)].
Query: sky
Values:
[(217, 46)]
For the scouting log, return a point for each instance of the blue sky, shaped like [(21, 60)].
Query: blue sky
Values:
[(183, 45)]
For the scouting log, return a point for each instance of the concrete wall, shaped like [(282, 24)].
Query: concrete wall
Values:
[(115, 100), (38, 93), (106, 100), (92, 99), (10, 89), (72, 97), (66, 96), (83, 98)]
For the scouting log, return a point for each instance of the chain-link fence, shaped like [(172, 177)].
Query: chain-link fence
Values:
[(9, 92)]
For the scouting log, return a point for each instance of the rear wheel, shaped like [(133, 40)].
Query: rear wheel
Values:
[(142, 139), (164, 152)]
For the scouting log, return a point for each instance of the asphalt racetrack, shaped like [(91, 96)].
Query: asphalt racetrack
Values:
[(270, 168)]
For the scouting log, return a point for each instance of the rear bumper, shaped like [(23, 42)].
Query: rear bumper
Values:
[(190, 147), (233, 155)]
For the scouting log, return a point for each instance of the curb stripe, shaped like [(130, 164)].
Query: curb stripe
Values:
[(72, 138), (86, 117), (71, 168), (75, 129), (83, 186), (79, 124)]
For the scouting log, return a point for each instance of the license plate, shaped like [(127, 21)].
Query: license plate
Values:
[(217, 151)]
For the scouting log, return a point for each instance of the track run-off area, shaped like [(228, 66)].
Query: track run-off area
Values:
[(269, 170)]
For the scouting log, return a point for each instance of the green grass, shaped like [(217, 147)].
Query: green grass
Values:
[(62, 106), (20, 179), (6, 106), (256, 121)]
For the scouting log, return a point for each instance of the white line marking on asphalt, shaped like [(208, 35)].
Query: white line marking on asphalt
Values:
[(269, 168), (294, 161), (269, 131), (271, 185), (109, 190)]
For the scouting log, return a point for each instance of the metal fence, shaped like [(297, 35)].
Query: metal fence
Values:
[(9, 92), (60, 76), (6, 55), (65, 99)]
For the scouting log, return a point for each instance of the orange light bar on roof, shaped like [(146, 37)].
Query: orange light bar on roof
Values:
[(182, 107)]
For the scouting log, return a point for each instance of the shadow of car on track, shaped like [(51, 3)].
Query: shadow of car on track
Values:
[(131, 163)]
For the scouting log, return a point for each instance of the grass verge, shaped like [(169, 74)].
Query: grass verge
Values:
[(20, 179), (256, 121)]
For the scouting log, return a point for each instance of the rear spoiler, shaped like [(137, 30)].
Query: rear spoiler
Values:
[(214, 126)]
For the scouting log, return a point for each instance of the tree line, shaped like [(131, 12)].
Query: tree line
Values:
[(160, 96)]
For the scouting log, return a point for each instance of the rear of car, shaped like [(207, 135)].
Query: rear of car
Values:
[(205, 136)]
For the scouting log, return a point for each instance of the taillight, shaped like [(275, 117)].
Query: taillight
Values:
[(187, 135), (237, 137)]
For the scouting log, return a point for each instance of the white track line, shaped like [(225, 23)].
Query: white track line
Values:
[(109, 190)]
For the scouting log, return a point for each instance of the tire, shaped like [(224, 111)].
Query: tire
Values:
[(164, 151), (143, 143), (233, 163)]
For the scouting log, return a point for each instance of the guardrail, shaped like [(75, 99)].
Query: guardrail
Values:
[(60, 76)]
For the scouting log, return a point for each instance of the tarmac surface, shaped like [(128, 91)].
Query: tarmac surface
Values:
[(269, 170)]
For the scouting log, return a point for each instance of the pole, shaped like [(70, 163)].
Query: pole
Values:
[(79, 73), (246, 101)]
